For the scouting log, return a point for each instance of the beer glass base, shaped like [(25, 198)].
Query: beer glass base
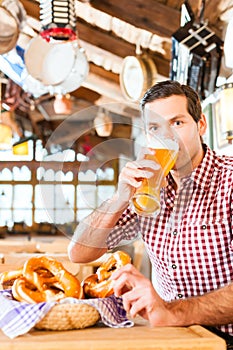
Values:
[(145, 204)]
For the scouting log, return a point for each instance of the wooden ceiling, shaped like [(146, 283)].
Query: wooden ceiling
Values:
[(109, 31), (161, 18)]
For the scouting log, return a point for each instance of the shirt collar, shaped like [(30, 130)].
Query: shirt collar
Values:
[(202, 174)]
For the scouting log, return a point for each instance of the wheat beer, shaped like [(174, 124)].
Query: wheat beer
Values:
[(146, 200)]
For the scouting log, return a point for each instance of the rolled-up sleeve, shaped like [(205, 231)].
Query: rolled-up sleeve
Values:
[(126, 229)]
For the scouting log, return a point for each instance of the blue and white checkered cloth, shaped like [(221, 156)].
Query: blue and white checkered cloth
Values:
[(17, 318)]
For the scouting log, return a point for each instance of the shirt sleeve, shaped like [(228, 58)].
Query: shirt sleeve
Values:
[(126, 229), (232, 217)]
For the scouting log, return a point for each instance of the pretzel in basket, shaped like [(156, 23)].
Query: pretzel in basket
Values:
[(23, 290), (43, 279), (69, 283), (7, 278), (99, 285)]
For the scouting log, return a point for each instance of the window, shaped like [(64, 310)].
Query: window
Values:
[(52, 189)]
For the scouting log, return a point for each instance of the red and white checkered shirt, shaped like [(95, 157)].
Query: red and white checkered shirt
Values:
[(189, 243)]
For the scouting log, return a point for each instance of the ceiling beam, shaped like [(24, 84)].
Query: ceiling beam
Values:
[(103, 39), (104, 87), (86, 94), (104, 73), (117, 46), (149, 15), (32, 8)]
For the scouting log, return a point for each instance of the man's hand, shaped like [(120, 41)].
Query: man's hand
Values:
[(139, 297), (132, 174)]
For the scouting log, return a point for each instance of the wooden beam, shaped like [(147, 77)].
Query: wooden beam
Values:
[(104, 87), (86, 94), (32, 8), (109, 42), (104, 73), (158, 18), (103, 39), (149, 15)]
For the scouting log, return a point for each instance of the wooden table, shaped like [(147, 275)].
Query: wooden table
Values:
[(139, 337)]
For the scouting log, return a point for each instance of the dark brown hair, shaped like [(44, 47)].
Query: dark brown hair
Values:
[(168, 88)]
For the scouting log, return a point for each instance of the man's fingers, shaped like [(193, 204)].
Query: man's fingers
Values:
[(121, 285), (129, 269), (124, 279)]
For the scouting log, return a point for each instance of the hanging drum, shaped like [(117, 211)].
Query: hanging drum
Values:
[(137, 75), (55, 57), (62, 65), (77, 75), (49, 62)]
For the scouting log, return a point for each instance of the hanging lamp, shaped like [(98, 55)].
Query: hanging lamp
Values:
[(103, 123)]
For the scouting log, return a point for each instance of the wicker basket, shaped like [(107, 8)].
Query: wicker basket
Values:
[(69, 316)]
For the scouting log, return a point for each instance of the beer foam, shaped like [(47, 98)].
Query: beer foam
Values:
[(163, 144)]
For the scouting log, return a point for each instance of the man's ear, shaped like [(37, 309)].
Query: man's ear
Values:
[(202, 125)]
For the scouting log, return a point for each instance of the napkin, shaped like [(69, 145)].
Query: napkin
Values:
[(17, 318)]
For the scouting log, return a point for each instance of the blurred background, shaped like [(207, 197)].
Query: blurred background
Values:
[(72, 74)]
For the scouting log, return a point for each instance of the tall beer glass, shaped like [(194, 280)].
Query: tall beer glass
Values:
[(162, 148)]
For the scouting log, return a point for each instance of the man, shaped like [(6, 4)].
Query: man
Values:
[(191, 257)]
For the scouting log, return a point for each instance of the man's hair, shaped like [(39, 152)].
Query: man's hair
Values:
[(168, 88)]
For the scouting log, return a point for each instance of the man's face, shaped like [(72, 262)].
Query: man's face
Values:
[(173, 111)]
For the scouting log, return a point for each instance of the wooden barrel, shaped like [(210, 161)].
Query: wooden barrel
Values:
[(138, 74), (9, 31)]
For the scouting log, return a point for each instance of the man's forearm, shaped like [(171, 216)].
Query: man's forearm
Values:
[(213, 308), (89, 239)]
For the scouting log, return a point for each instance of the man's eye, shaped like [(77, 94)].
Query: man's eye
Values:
[(153, 128), (178, 123)]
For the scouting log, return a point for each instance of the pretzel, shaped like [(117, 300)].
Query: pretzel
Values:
[(7, 278), (69, 283), (99, 285), (22, 290), (41, 279), (115, 261)]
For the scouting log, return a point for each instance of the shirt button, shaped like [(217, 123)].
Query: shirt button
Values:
[(174, 232), (174, 266), (203, 227), (180, 296)]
